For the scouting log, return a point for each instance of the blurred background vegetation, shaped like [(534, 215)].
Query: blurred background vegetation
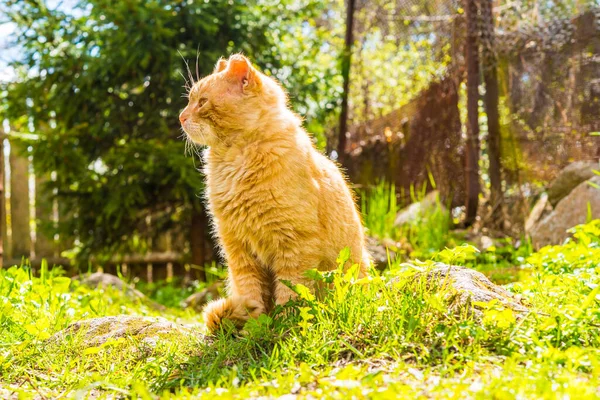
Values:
[(480, 102)]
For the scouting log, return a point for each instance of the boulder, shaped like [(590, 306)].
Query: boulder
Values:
[(467, 287), (570, 211), (96, 331), (377, 251), (197, 301), (569, 178), (485, 242), (102, 280), (415, 210)]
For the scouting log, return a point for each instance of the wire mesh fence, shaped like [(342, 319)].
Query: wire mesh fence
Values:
[(547, 59)]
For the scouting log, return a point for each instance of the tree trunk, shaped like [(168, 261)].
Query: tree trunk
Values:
[(346, 62), (490, 77), (45, 245), (162, 270), (472, 148), (197, 242), (2, 211), (19, 203)]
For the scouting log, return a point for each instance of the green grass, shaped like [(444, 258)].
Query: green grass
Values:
[(383, 337), (430, 233), (379, 207), (172, 293), (426, 234)]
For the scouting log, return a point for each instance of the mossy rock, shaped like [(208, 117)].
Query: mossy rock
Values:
[(148, 330), (465, 288)]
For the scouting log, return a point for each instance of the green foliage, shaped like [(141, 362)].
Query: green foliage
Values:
[(424, 235), (501, 262), (458, 255), (169, 293), (379, 207), (172, 293), (580, 253), (388, 335), (101, 85), (393, 61), (429, 232)]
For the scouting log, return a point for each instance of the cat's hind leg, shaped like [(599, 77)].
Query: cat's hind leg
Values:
[(290, 268)]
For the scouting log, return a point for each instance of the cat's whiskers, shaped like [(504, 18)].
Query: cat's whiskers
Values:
[(186, 139), (188, 147), (199, 130), (196, 149), (187, 66), (187, 85), (197, 57), (191, 148)]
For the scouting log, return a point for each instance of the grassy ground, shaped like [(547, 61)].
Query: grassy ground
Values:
[(382, 338)]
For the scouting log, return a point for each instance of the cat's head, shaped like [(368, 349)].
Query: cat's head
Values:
[(232, 100)]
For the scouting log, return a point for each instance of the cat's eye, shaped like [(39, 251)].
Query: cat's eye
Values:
[(201, 102)]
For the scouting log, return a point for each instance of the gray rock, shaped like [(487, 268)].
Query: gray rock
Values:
[(96, 331), (379, 249), (102, 280), (466, 287), (485, 242), (569, 178), (198, 300), (570, 211), (415, 210)]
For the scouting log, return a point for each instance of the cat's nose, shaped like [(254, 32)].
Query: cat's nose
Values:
[(182, 118)]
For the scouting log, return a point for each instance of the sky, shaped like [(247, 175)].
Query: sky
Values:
[(8, 52)]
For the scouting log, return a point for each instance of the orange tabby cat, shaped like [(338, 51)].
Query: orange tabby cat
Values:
[(279, 207)]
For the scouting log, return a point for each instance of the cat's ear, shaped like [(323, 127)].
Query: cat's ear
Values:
[(240, 68), (220, 65)]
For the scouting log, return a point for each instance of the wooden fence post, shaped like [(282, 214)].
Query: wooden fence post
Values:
[(198, 229), (45, 245), (2, 202), (162, 271), (19, 203)]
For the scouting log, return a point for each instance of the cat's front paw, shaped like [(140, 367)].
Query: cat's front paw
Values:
[(235, 309)]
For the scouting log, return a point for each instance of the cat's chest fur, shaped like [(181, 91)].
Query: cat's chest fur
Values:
[(242, 196), (263, 200), (232, 192)]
